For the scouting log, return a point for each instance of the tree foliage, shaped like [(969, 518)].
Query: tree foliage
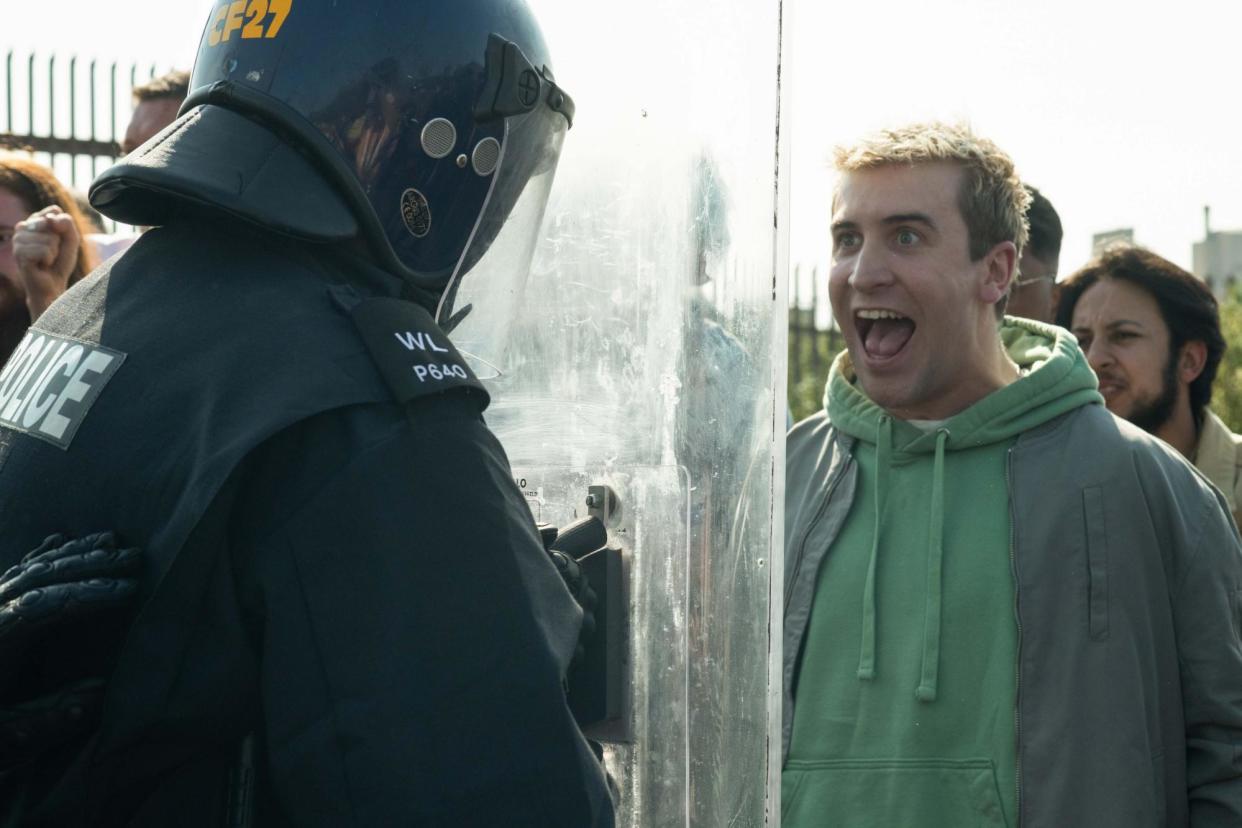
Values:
[(811, 352), (1227, 390)]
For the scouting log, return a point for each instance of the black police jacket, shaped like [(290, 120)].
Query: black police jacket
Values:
[(338, 563)]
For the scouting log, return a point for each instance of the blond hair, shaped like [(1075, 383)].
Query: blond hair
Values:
[(992, 199)]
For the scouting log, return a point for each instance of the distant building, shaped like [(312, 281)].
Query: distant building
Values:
[(1102, 241), (1218, 258)]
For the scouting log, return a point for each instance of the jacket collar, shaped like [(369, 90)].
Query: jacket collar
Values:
[(1216, 455)]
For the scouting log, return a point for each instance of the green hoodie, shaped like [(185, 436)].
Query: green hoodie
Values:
[(906, 687)]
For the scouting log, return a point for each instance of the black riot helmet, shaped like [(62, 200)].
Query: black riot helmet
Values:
[(429, 121)]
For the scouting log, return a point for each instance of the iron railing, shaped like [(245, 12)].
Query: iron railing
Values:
[(813, 337), (68, 113)]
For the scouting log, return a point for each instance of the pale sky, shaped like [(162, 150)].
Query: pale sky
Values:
[(129, 31), (1123, 113)]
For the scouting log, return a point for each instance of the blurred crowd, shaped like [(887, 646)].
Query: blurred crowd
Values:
[(50, 237)]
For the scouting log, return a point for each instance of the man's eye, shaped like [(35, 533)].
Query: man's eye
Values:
[(1084, 342), (905, 238), (6, 236), (846, 240)]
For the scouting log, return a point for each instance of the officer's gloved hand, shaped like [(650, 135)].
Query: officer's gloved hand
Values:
[(580, 588), (61, 583), (575, 580)]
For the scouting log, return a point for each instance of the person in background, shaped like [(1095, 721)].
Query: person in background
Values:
[(156, 104), (1004, 605), (1031, 294), (29, 285), (1151, 332), (40, 240)]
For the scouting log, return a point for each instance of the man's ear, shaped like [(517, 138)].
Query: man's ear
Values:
[(1000, 263), (1190, 361)]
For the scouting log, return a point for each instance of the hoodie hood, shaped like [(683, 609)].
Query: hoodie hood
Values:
[(1054, 379)]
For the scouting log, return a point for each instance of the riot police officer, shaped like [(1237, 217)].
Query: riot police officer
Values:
[(344, 613)]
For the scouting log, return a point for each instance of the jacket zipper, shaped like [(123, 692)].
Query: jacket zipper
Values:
[(819, 514), (1017, 667)]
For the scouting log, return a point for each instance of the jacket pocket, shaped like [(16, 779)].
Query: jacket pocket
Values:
[(881, 793), (1097, 563)]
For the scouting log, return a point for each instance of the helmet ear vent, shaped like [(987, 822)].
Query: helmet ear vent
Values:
[(485, 156), (438, 137)]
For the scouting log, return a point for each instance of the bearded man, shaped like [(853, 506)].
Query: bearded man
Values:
[(1151, 333)]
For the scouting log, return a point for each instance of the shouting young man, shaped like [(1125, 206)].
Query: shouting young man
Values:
[(1004, 606)]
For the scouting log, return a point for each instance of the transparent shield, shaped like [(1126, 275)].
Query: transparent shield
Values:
[(645, 354)]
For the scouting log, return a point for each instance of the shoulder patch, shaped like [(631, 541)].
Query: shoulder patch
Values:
[(50, 383), (413, 354)]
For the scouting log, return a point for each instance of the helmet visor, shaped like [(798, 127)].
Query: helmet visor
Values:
[(484, 294)]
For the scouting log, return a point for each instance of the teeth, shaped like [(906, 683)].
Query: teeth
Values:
[(879, 314)]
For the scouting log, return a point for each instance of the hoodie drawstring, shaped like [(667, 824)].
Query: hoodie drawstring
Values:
[(883, 451), (930, 674), (929, 680)]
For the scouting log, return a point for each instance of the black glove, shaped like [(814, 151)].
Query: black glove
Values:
[(580, 588), (593, 682), (60, 584), (576, 540)]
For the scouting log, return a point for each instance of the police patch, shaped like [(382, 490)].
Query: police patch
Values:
[(50, 382), (414, 355)]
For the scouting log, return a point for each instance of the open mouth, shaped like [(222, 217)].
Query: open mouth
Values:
[(883, 333)]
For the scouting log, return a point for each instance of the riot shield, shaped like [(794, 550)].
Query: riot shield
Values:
[(640, 379)]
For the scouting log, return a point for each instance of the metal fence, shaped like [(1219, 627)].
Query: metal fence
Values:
[(68, 113), (813, 337)]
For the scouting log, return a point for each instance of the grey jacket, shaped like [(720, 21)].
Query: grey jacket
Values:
[(1128, 574)]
